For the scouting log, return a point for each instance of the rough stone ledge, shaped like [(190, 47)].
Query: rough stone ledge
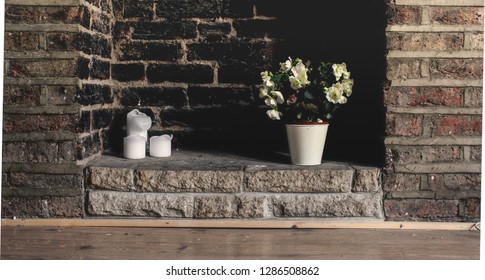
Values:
[(256, 206), (211, 185), (202, 172)]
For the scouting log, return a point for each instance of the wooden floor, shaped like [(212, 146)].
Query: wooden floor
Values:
[(133, 243)]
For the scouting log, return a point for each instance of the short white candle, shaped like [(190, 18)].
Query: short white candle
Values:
[(138, 123), (161, 146), (134, 147)]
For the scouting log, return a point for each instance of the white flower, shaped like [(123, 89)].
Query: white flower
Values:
[(271, 102), (266, 77), (263, 92), (340, 70), (278, 96), (299, 71), (335, 94), (286, 66), (347, 86), (295, 83), (274, 114)]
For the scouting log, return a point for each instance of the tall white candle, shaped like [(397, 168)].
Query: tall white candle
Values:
[(138, 123), (161, 146), (134, 147)]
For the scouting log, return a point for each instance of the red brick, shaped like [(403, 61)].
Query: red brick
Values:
[(410, 15), (42, 68), (427, 96), (456, 16), (396, 182), (21, 41), (472, 208), (456, 68), (454, 182), (30, 123), (398, 69), (404, 124), (457, 125), (419, 154), (41, 14), (425, 41), (25, 95), (421, 209)]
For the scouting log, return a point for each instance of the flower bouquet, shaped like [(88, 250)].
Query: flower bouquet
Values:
[(298, 93), (305, 98)]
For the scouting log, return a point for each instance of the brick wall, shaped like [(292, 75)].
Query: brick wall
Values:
[(434, 109), (74, 68)]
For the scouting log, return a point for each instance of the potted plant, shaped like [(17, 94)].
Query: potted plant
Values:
[(305, 96)]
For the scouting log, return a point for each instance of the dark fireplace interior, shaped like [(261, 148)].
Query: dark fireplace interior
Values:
[(226, 114)]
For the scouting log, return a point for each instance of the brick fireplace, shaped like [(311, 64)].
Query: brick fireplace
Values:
[(406, 147)]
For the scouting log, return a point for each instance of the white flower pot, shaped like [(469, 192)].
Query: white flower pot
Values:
[(306, 142)]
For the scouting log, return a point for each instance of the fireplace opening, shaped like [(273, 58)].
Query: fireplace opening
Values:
[(195, 72)]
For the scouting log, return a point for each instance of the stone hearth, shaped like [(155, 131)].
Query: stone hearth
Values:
[(213, 185)]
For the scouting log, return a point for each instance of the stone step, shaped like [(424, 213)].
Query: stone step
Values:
[(214, 185)]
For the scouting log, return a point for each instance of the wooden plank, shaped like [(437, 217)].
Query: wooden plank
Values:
[(135, 243), (232, 223)]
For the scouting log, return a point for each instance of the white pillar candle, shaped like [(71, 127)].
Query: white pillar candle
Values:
[(161, 146), (134, 147), (138, 123)]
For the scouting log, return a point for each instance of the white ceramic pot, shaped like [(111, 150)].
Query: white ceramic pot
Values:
[(306, 142)]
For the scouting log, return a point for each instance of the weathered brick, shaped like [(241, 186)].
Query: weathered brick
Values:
[(404, 124), (58, 41), (101, 23), (185, 73), (424, 96), (94, 44), (456, 15), (156, 30), (43, 68), (456, 68), (424, 41), (95, 94), (417, 154), (476, 153), (41, 14), (404, 15), (456, 125), (102, 118), (83, 68), (39, 207), (100, 69), (88, 146), (402, 69), (134, 50), (52, 152), (84, 124), (203, 9), (29, 123), (214, 31), (61, 95), (134, 9), (154, 96), (33, 185), (23, 95), (421, 209), (474, 97), (218, 96), (472, 208), (21, 41), (396, 182), (454, 182), (128, 72)]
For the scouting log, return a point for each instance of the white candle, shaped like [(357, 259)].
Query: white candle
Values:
[(161, 146), (134, 147), (138, 123)]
